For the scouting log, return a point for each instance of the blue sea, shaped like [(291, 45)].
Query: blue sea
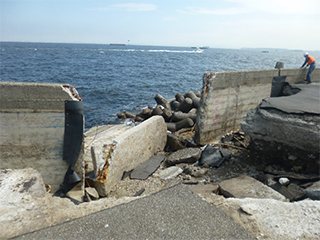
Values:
[(113, 79)]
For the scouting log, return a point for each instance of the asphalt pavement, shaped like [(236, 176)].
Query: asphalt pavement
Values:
[(305, 101), (174, 213)]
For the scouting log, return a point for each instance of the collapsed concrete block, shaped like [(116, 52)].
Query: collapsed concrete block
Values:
[(126, 151), (285, 130)]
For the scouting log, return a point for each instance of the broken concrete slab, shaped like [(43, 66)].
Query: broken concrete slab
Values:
[(22, 192), (187, 155), (145, 169), (247, 187), (25, 206), (124, 152), (272, 219), (170, 172), (285, 130)]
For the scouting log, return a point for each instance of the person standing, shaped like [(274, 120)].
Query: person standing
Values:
[(311, 63)]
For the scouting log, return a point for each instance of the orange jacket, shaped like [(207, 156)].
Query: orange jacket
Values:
[(311, 59)]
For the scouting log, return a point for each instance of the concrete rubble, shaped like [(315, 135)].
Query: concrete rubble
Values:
[(131, 163), (236, 187), (256, 207)]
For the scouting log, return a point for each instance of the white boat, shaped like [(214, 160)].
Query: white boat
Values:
[(198, 50)]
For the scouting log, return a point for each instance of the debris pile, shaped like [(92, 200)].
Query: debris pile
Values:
[(214, 164), (179, 112)]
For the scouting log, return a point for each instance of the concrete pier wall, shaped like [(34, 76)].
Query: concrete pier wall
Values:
[(32, 124), (227, 97), (296, 75)]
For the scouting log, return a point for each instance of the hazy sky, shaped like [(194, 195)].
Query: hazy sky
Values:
[(293, 24)]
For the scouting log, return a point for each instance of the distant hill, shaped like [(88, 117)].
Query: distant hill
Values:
[(278, 49)]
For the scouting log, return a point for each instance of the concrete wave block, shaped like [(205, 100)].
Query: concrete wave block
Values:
[(126, 151)]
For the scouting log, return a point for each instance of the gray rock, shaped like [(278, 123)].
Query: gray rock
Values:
[(284, 181), (173, 142), (313, 191), (283, 190), (92, 192), (297, 192), (187, 155), (195, 171)]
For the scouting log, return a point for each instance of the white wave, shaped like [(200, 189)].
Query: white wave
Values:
[(153, 51)]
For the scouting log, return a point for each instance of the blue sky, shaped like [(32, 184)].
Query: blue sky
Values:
[(292, 24)]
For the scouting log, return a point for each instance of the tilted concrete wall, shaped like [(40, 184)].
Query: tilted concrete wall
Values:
[(227, 97), (32, 119)]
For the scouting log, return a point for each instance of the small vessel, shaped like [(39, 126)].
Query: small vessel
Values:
[(201, 47), (198, 50), (117, 44)]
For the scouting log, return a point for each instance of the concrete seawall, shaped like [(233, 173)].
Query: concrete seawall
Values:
[(227, 97), (32, 123), (33, 119)]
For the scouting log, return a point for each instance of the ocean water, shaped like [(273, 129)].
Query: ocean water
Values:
[(113, 79)]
